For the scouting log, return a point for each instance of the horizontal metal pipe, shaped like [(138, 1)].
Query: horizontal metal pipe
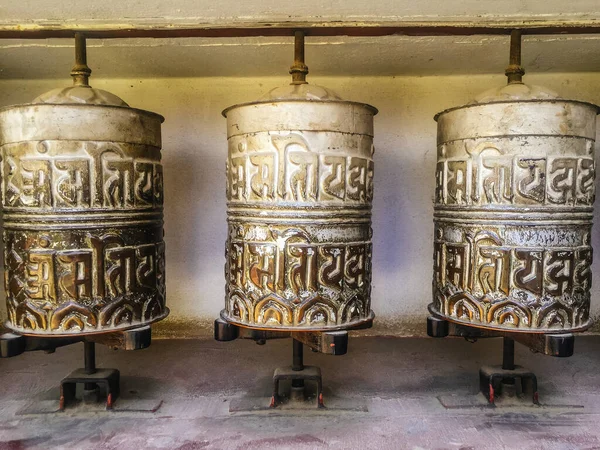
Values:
[(37, 31)]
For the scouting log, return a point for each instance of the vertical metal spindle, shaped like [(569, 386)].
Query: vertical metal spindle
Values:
[(89, 355), (508, 354), (297, 361), (299, 70), (80, 71), (515, 71)]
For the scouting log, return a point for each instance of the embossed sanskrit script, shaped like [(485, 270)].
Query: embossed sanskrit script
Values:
[(83, 235)]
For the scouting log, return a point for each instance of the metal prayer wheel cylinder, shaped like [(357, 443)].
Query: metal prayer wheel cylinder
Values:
[(513, 212), (82, 197), (299, 191)]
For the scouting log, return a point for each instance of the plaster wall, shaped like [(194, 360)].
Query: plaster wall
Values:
[(61, 12), (194, 142)]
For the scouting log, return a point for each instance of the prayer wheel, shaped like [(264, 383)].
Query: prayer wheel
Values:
[(513, 211), (82, 196), (299, 193)]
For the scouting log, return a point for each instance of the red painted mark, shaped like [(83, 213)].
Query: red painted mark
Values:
[(332, 345), (321, 405), (273, 403), (491, 399), (109, 402), (536, 399), (61, 403)]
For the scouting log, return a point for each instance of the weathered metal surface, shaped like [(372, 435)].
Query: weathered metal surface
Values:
[(513, 212), (82, 201), (173, 28), (299, 190)]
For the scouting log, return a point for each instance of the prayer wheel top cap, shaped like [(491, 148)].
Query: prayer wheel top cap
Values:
[(300, 108), (301, 93), (515, 93), (79, 113), (76, 95)]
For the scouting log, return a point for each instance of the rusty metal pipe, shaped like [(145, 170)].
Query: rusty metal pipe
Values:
[(299, 69), (515, 71), (80, 72)]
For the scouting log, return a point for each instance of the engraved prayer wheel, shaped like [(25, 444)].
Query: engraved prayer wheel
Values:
[(299, 192), (513, 211), (82, 202)]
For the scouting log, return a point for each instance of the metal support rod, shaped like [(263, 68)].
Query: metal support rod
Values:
[(89, 355), (80, 71), (298, 355), (297, 361), (515, 71), (299, 70), (508, 354)]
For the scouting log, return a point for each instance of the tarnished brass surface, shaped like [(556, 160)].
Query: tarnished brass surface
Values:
[(82, 198), (299, 190), (513, 212)]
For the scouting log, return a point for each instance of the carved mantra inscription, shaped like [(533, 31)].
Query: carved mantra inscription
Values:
[(285, 280), (80, 273), (280, 272), (482, 280), (515, 271), (55, 175), (492, 178), (289, 171)]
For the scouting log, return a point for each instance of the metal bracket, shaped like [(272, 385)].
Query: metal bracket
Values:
[(306, 374), (493, 378), (105, 380), (327, 342), (558, 345), (12, 344)]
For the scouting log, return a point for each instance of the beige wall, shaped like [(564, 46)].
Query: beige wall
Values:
[(66, 12), (194, 153)]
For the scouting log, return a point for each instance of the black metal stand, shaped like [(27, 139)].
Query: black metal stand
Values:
[(298, 374), (493, 380), (327, 342), (507, 377), (97, 383)]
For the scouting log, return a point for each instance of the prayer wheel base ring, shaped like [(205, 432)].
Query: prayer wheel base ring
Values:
[(88, 334), (356, 325), (487, 327)]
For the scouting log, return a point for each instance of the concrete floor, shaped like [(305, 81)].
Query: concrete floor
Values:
[(385, 393)]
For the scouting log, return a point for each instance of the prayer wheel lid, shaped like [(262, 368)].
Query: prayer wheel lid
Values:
[(79, 94), (300, 92), (515, 92)]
